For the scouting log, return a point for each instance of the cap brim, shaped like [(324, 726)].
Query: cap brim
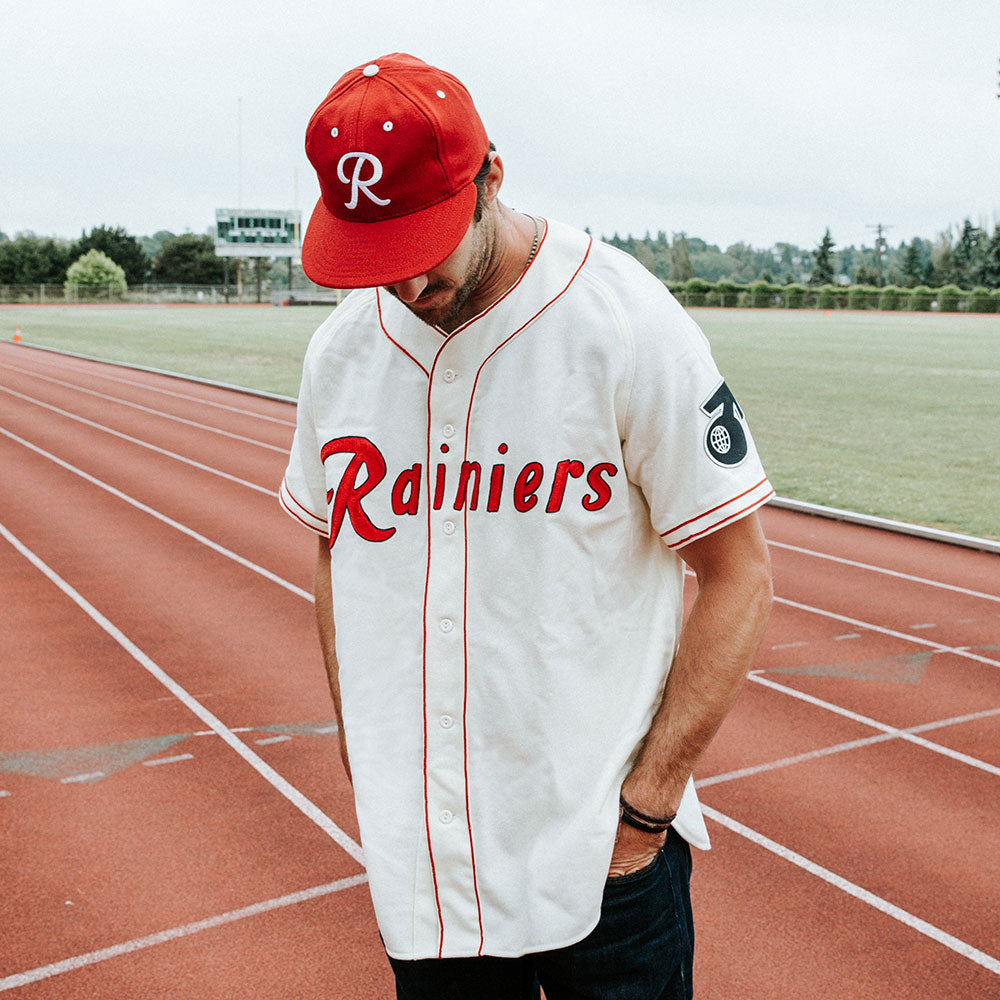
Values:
[(341, 254)]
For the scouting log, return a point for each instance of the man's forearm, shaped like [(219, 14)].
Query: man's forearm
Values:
[(328, 639), (716, 649)]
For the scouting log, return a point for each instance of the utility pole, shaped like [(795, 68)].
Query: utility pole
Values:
[(881, 245)]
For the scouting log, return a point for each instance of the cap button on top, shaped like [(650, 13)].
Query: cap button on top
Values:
[(370, 70)]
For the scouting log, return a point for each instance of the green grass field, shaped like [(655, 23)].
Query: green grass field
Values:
[(894, 414)]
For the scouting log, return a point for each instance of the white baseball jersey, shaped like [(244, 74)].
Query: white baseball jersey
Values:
[(504, 506)]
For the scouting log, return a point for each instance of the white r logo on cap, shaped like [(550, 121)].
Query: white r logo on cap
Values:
[(356, 181)]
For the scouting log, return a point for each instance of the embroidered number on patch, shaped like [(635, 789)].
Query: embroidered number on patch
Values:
[(725, 439)]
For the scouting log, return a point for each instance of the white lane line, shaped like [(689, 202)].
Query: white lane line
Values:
[(90, 776), (838, 881), (849, 635), (149, 409), (941, 647), (272, 739), (886, 572), (774, 765), (169, 760), (265, 770), (142, 444), (190, 532), (185, 930), (903, 734), (926, 625), (182, 395), (3, 794), (789, 645)]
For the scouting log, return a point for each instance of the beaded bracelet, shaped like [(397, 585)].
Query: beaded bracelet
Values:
[(640, 821)]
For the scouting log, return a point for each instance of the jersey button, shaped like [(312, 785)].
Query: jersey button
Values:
[(448, 431), (449, 375), (446, 721), (447, 625), (446, 816), (448, 527)]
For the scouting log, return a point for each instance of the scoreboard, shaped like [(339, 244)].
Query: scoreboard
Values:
[(257, 232)]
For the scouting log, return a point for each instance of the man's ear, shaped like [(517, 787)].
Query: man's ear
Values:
[(494, 179)]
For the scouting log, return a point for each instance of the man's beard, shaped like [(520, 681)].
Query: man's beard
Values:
[(446, 314)]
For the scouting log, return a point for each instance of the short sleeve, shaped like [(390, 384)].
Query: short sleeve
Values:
[(303, 488), (687, 443)]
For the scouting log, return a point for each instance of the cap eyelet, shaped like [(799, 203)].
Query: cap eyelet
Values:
[(334, 132), (440, 94), (387, 127)]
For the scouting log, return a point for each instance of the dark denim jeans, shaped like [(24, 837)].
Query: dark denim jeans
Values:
[(641, 949)]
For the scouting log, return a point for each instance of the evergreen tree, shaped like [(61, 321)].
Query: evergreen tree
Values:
[(991, 261), (913, 264), (823, 256), (968, 256), (680, 259)]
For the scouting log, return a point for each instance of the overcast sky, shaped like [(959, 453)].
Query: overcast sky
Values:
[(731, 120)]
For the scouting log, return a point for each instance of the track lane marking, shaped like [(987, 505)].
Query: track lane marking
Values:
[(887, 572), (857, 623), (138, 441), (280, 784), (185, 930), (904, 734), (283, 449), (178, 395), (774, 765), (838, 881), (184, 529)]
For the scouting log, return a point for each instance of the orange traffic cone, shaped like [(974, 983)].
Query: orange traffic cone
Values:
[(17, 335)]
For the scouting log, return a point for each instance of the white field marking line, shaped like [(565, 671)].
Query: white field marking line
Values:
[(857, 623), (774, 765), (90, 776), (169, 760), (142, 444), (185, 930), (940, 647), (264, 769), (839, 882), (903, 734), (887, 572), (149, 409), (190, 532), (181, 395)]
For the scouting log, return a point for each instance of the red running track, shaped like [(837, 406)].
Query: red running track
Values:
[(175, 822)]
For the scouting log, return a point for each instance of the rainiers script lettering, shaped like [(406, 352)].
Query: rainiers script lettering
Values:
[(359, 183), (366, 470)]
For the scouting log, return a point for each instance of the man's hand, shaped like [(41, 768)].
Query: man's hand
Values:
[(633, 850)]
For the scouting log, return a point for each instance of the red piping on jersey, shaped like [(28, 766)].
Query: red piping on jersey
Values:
[(718, 524), (711, 510), (465, 581), (493, 306), (295, 514), (378, 305), (465, 586), (427, 582)]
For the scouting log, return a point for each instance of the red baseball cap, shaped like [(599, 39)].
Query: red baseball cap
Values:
[(396, 145)]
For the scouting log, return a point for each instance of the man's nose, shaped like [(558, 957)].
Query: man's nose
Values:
[(409, 291)]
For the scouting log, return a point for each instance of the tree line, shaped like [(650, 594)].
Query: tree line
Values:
[(967, 257), (166, 258)]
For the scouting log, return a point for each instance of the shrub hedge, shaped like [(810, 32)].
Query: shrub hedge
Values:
[(764, 295)]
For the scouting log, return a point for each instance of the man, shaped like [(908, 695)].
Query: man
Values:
[(508, 442)]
